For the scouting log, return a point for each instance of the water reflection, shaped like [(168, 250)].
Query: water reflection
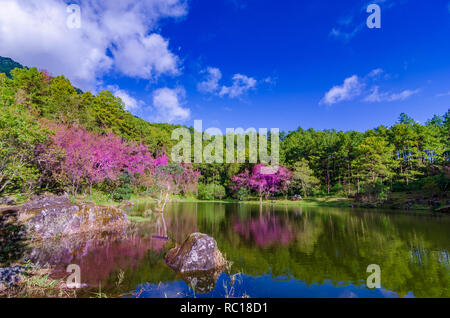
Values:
[(279, 251)]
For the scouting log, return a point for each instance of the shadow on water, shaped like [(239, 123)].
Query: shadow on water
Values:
[(13, 241)]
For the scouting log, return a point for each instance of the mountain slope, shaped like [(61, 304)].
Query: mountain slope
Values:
[(7, 65)]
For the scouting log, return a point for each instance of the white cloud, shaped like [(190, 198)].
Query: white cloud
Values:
[(211, 84), (131, 104), (402, 95), (169, 105), (355, 86), (377, 96), (145, 57), (241, 85), (351, 88), (375, 73), (346, 35), (443, 94), (114, 36), (349, 26)]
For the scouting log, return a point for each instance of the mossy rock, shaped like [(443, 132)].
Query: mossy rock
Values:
[(198, 252)]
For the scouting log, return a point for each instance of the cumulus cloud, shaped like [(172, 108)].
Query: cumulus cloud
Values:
[(131, 104), (351, 88), (211, 84), (355, 86), (168, 104), (241, 85), (114, 36)]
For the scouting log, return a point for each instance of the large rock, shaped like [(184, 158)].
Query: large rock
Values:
[(198, 253), (53, 216)]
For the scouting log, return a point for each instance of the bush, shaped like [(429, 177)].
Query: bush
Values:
[(376, 191), (337, 189), (124, 191), (430, 185), (211, 191), (243, 194)]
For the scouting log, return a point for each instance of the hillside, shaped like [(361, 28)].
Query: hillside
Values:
[(7, 65), (57, 100)]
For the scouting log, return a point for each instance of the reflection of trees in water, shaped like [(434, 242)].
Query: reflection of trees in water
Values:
[(99, 256), (338, 246), (311, 244), (265, 230), (12, 237)]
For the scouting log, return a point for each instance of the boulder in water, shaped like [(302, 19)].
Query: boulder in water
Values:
[(199, 252)]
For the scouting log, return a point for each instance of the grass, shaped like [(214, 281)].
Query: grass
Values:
[(101, 198), (397, 200), (36, 282)]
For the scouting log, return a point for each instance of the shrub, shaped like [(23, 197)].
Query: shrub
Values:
[(211, 191), (243, 194), (125, 190), (376, 191)]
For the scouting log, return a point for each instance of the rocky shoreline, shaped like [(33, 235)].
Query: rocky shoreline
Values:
[(55, 216), (48, 217)]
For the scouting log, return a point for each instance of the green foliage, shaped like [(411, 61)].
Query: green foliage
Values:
[(7, 65), (401, 155), (20, 133), (243, 194), (303, 177), (56, 99), (125, 189), (323, 162), (211, 191), (376, 191)]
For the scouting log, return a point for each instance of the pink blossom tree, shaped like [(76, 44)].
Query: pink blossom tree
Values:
[(92, 158), (265, 181)]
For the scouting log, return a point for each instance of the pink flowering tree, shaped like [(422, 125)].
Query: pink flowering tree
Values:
[(167, 178), (92, 158), (265, 181)]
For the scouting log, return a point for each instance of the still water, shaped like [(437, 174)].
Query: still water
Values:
[(276, 251)]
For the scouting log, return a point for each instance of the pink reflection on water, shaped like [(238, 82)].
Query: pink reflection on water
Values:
[(265, 230)]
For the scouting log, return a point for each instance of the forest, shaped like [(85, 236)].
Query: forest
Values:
[(56, 138)]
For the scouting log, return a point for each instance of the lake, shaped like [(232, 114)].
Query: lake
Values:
[(276, 251)]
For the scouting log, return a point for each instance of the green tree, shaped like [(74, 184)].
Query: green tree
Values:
[(20, 133), (303, 176), (374, 159)]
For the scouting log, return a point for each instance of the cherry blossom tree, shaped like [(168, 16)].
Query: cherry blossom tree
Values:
[(265, 181), (92, 158)]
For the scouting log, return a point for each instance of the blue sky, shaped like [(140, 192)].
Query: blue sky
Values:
[(255, 63)]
